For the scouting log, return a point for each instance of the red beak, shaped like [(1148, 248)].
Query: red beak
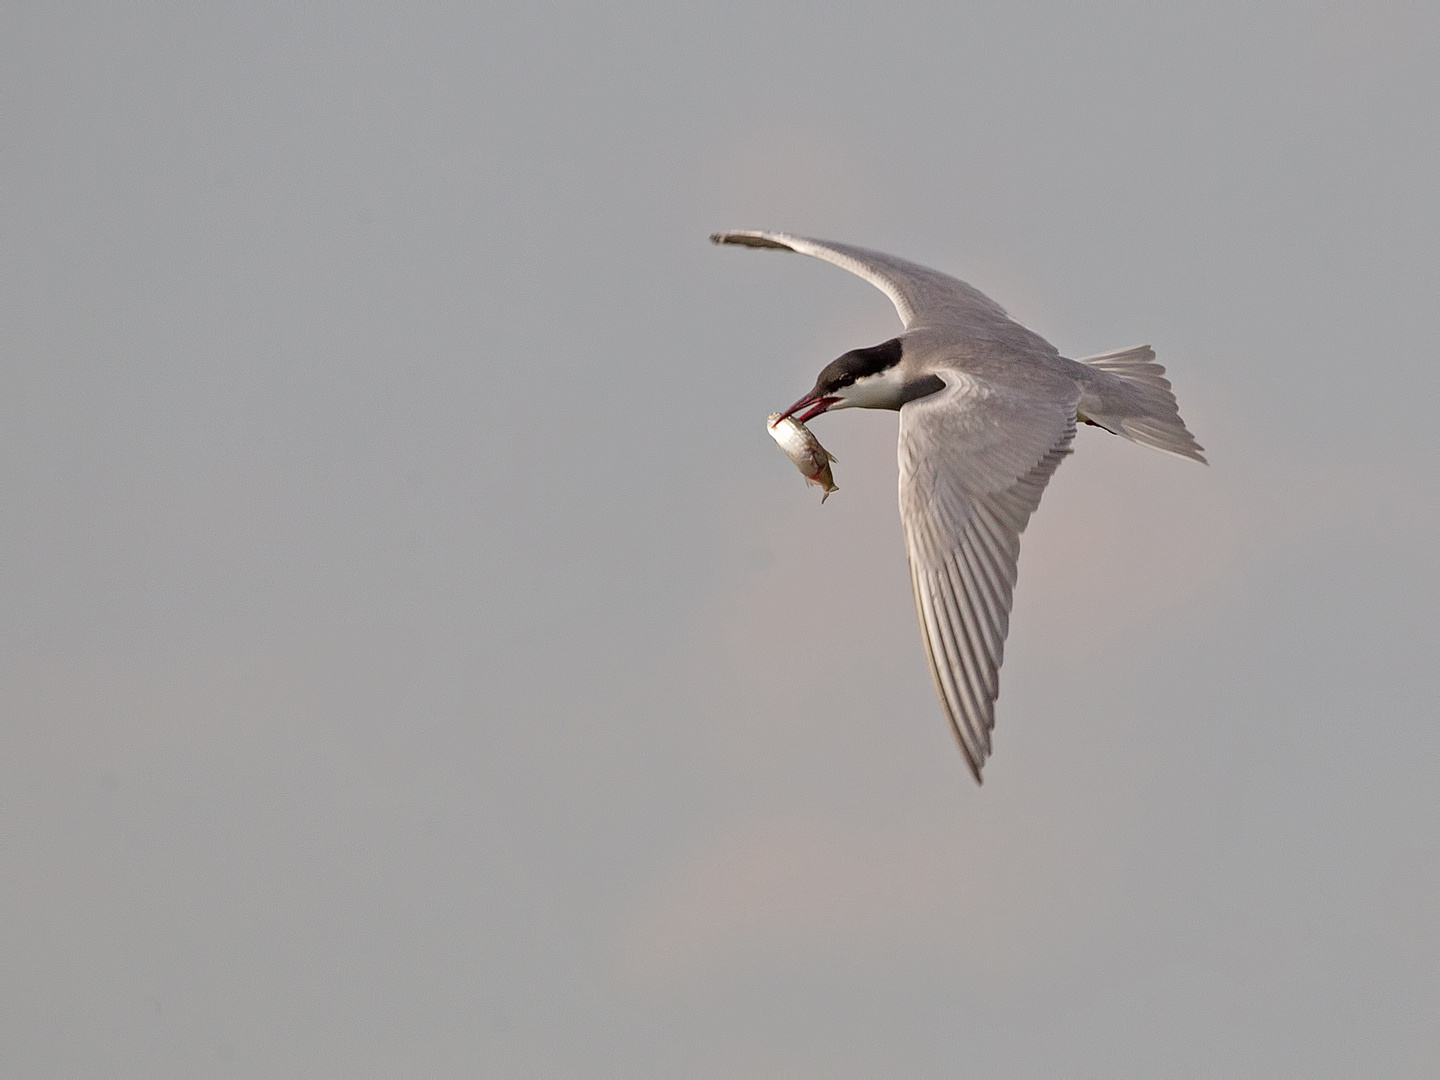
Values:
[(816, 403)]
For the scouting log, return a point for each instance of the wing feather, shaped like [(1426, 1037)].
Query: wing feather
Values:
[(974, 461), (980, 621), (944, 684), (922, 296), (988, 586)]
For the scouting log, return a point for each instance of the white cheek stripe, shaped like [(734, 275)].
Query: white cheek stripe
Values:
[(884, 390)]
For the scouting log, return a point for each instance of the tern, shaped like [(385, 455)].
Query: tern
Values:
[(988, 410)]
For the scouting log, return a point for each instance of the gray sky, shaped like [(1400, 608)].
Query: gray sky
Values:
[(416, 660)]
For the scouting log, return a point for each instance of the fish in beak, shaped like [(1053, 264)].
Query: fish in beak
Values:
[(801, 446)]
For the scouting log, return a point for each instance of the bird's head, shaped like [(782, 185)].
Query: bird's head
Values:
[(864, 379)]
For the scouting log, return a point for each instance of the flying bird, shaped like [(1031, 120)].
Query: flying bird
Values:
[(988, 410)]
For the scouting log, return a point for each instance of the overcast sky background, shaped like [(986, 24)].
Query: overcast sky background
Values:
[(416, 660)]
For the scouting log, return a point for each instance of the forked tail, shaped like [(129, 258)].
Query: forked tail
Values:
[(1141, 406)]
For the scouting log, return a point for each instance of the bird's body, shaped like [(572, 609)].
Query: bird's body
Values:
[(988, 410)]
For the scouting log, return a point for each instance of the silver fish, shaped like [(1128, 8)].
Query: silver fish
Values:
[(801, 446)]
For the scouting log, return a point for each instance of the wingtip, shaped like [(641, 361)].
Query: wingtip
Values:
[(748, 238), (970, 760)]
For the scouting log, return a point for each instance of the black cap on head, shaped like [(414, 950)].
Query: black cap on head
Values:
[(856, 364)]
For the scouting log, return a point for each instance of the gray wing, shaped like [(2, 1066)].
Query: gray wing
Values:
[(974, 460), (922, 296)]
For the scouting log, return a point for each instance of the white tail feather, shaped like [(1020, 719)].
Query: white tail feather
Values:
[(1146, 410)]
